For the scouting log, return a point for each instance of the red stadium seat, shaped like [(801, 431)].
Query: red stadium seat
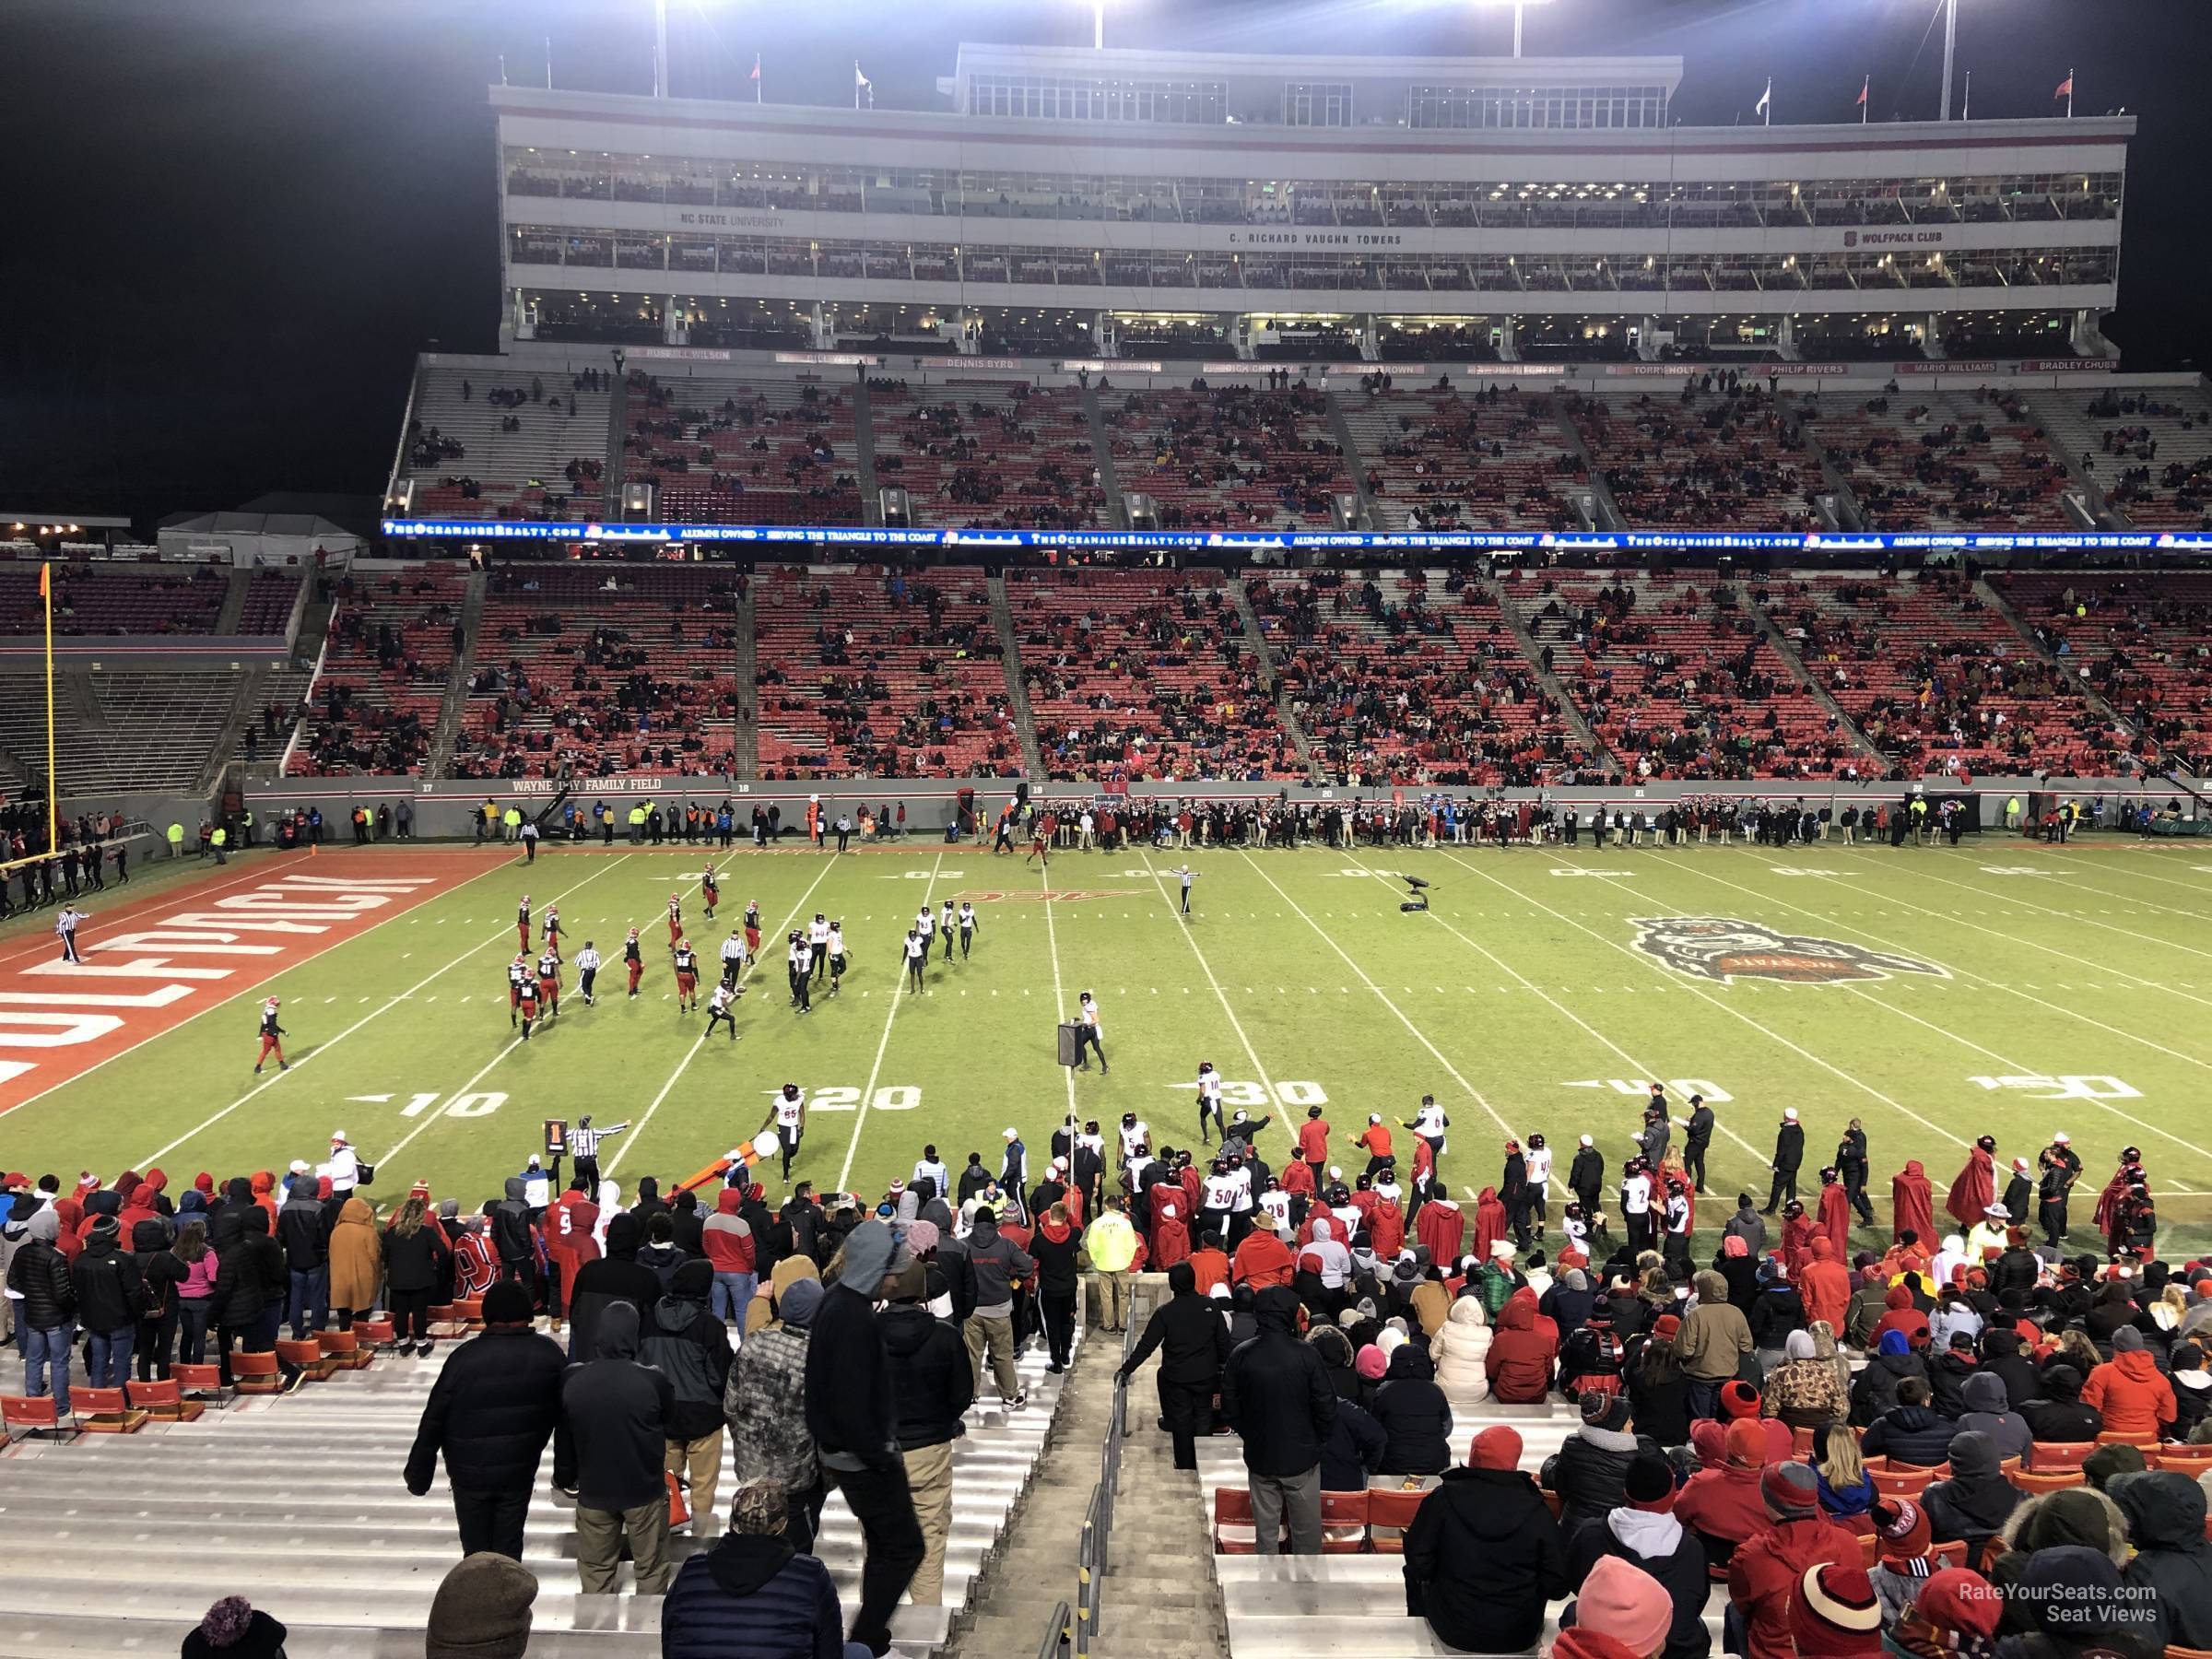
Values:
[(1233, 1529), (1389, 1513), (33, 1417), (256, 1373), (2042, 1458), (1344, 1523), (310, 1356), (2032, 1481), (342, 1349), (105, 1411), (164, 1400)]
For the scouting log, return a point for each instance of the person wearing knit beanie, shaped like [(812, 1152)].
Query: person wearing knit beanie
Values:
[(1835, 1614), (235, 1628), (481, 1610), (1790, 1491), (1902, 1562), (2101, 1465), (1955, 1615), (1620, 1600), (1738, 1400), (1650, 1483)]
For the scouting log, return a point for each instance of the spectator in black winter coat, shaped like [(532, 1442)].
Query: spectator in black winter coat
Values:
[(689, 1345), (250, 1280), (303, 1230), (1355, 1445), (2059, 1417), (850, 1414), (1192, 1344), (1568, 1303), (2192, 1389), (1054, 1246), (752, 1596), (490, 1412), (109, 1297), (415, 1257), (1483, 1555), (1276, 1395), (2166, 1522), (1658, 1389), (160, 1271), (1978, 1499), (1642, 1533), (1739, 1268), (1413, 1415), (1949, 1370), (2004, 1356), (1590, 1470), (38, 1274), (1912, 1433), (933, 1385), (1874, 1390), (1986, 1414), (1775, 1311), (614, 1278), (616, 1411)]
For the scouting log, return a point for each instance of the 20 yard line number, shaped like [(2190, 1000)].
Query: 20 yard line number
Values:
[(896, 1097)]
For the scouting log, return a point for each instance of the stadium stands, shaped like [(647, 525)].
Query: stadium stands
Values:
[(1699, 458), (120, 730), (1439, 459), (729, 449), (589, 673), (1937, 678), (2144, 642), (2153, 455), (863, 673), (1228, 457), (270, 594), (1137, 674), (1410, 678), (114, 599), (987, 453), (1679, 680), (493, 443), (385, 665), (1946, 462)]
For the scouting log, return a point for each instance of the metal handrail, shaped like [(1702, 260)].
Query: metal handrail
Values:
[(1056, 1635), (1093, 1548)]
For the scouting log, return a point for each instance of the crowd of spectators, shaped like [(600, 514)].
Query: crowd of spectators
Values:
[(1735, 457), (761, 453), (1230, 457), (390, 652)]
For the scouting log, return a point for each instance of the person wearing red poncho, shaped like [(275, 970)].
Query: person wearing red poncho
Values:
[(1797, 1237), (1913, 1202), (1824, 1284), (1386, 1227), (1976, 1188), (1439, 1229), (1835, 1224), (2109, 1202), (1489, 1227)]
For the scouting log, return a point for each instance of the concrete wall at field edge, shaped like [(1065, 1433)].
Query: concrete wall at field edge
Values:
[(445, 810)]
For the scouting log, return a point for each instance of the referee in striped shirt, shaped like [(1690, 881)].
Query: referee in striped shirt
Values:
[(583, 1148)]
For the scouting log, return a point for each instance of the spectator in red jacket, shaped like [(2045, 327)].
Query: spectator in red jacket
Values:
[(1209, 1264), (1824, 1284), (1721, 1502), (1899, 1314), (1519, 1362), (1764, 1574), (1261, 1261), (1314, 1143), (2135, 1398)]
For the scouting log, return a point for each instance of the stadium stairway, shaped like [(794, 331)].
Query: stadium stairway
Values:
[(1608, 511), (296, 1503), (1101, 450), (746, 758), (1255, 637), (1570, 712), (1988, 595), (1795, 663), (1340, 430), (863, 450), (1018, 690), (455, 706)]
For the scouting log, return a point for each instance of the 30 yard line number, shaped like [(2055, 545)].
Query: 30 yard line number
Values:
[(1247, 1094)]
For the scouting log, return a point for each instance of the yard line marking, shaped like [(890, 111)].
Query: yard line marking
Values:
[(1759, 1158), (2125, 932), (189, 898), (875, 1071), (1051, 941), (322, 1048), (1997, 985), (638, 1134), (1767, 1032), (1236, 1025), (1418, 1035), (2063, 878)]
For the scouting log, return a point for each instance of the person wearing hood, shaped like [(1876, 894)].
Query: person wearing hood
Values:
[(1642, 1531), (934, 1385), (1354, 1450), (2059, 1416), (1778, 1310), (1954, 1614), (2128, 1390), (616, 1411), (1461, 1349), (1056, 1245), (1712, 1344), (851, 1412), (2165, 1514), (1765, 1571), (1874, 1393), (1569, 1301), (1824, 1284), (160, 1273), (1987, 1413), (1738, 1269), (1949, 1368), (754, 1595), (727, 1238), (110, 1298), (1911, 1202), (2074, 1604), (493, 1407), (686, 1341), (1658, 1391), (1803, 1391), (765, 1400), (44, 1298), (1415, 1417), (617, 1276), (356, 1261), (303, 1228), (1521, 1353), (1748, 1225), (660, 1256), (248, 1302), (1591, 1469), (1978, 1499), (1276, 1395), (2005, 1356), (1193, 1345), (1721, 1502), (1483, 1557)]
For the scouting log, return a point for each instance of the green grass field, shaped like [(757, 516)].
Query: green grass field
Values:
[(2074, 992)]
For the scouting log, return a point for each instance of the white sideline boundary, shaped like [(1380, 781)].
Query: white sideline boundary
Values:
[(867, 1093)]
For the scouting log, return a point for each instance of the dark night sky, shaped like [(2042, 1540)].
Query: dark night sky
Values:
[(234, 223)]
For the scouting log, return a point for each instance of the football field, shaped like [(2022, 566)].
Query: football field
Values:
[(1934, 994)]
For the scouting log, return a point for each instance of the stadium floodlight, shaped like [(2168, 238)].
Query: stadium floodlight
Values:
[(1520, 9)]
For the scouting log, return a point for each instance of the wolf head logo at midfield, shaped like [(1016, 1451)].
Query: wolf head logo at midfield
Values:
[(1726, 947)]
